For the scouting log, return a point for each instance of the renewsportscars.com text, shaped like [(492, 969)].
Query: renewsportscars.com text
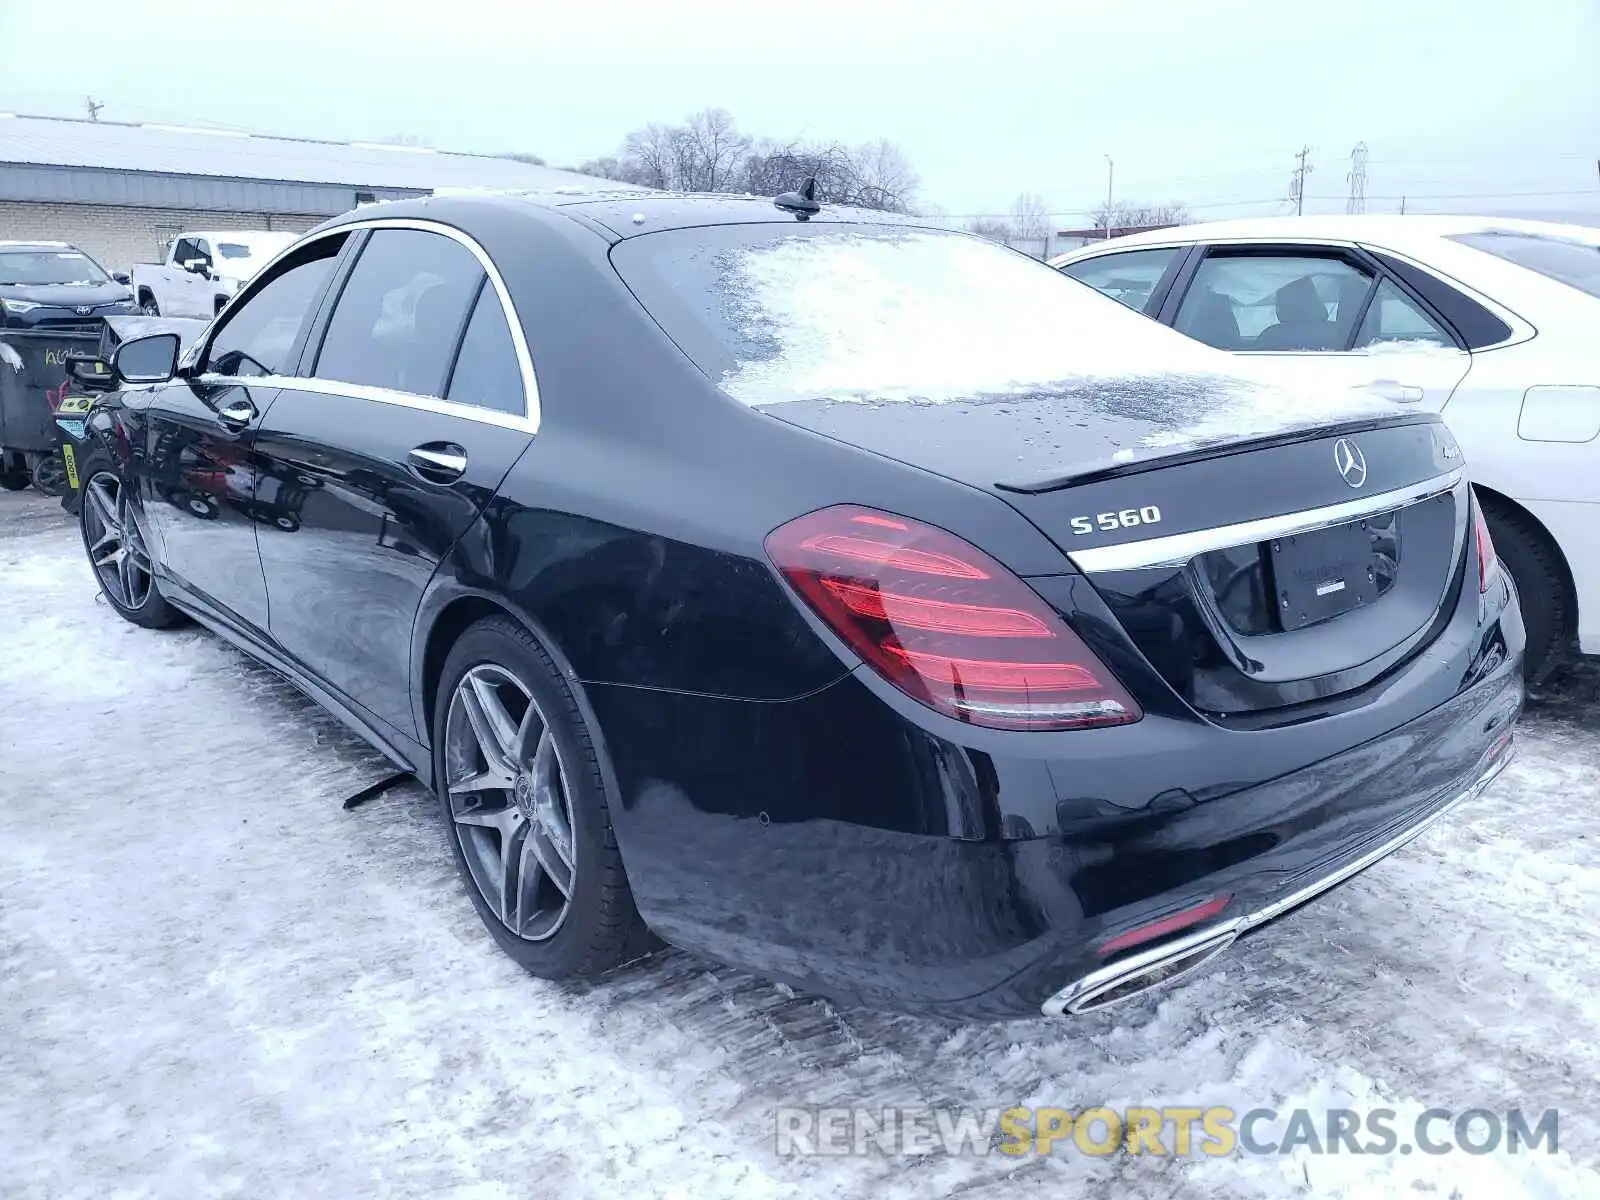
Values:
[(1174, 1131)]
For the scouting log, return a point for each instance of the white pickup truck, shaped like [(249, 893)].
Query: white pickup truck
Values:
[(203, 270)]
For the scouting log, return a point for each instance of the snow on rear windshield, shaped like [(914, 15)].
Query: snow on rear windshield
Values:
[(882, 314)]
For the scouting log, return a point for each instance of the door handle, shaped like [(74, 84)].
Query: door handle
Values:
[(1393, 389), (438, 462), (237, 413)]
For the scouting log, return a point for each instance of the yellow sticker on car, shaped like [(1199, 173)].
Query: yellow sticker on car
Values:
[(72, 466), (75, 404)]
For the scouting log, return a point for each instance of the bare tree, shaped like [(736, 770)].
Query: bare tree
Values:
[(996, 229), (1130, 214), (1029, 218), (712, 152), (884, 179), (533, 160), (708, 153)]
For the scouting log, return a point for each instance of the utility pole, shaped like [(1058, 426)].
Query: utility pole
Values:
[(1358, 180), (1297, 181), (93, 107), (1111, 169)]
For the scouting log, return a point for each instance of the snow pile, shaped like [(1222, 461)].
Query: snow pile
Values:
[(10, 357)]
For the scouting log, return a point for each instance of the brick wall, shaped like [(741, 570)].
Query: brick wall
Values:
[(119, 236)]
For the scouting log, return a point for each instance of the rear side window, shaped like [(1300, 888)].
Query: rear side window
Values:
[(401, 312), (1273, 302), (486, 373), (258, 334), (1128, 278), (1576, 264), (858, 312), (1393, 317)]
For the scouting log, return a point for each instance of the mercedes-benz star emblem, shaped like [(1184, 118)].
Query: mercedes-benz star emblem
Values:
[(1351, 462)]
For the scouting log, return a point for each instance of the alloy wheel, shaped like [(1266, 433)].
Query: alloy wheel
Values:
[(117, 548), (510, 802)]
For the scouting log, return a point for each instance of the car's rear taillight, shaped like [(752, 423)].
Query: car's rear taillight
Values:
[(1488, 561), (945, 623)]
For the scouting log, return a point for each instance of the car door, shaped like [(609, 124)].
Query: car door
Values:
[(406, 416), (1310, 315), (197, 475), (181, 284)]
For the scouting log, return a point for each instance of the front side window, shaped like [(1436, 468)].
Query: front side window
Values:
[(401, 313), (1128, 278), (259, 332), (1273, 302), (486, 373), (1574, 263), (1393, 317)]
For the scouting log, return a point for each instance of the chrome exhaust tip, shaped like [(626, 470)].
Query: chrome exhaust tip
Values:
[(1140, 973)]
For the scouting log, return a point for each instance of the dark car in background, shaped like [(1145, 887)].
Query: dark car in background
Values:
[(862, 604), (54, 285)]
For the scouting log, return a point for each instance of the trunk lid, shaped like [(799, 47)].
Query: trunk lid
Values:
[(1284, 563)]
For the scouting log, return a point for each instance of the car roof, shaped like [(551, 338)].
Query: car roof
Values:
[(622, 213), (1388, 229), (221, 235), (9, 245)]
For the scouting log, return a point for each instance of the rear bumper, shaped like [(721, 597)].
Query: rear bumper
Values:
[(1122, 977), (828, 843)]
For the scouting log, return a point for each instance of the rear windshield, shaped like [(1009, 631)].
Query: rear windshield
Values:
[(775, 313), (42, 267), (1576, 264)]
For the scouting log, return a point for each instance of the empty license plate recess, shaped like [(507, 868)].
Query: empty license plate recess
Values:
[(1321, 574)]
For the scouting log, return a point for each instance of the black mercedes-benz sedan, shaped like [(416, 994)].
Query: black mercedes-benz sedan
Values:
[(862, 604)]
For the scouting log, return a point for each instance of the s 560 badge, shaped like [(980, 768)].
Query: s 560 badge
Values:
[(1109, 522)]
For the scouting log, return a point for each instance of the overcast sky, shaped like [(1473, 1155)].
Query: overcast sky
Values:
[(1195, 101)]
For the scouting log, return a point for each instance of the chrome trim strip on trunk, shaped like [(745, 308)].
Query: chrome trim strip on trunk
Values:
[(1177, 549), (1080, 995)]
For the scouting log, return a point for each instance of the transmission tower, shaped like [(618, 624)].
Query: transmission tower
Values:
[(1358, 180), (1297, 181)]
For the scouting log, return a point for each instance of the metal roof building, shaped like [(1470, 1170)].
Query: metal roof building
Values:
[(123, 192)]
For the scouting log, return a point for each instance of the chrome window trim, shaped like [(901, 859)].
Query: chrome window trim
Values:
[(362, 391), (1177, 549), (528, 421)]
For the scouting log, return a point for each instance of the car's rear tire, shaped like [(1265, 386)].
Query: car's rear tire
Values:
[(560, 905), (1536, 567), (148, 305), (118, 550)]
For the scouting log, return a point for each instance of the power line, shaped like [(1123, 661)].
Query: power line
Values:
[(1357, 178), (1297, 181)]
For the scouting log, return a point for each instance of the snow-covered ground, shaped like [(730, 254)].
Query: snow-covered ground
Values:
[(215, 982)]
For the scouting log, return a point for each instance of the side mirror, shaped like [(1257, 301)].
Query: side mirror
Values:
[(152, 359), (198, 266), (91, 372), (122, 277)]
